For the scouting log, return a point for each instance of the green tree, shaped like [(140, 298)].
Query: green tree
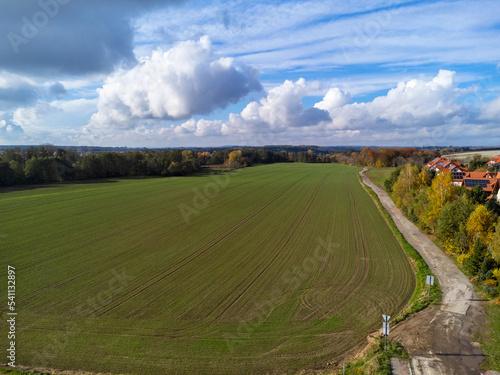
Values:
[(7, 175), (493, 206), (475, 261), (34, 170), (91, 167), (18, 168), (477, 195), (389, 183), (452, 220), (477, 162)]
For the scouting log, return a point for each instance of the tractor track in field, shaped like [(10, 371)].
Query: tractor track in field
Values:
[(103, 263), (156, 279), (286, 237), (356, 224), (97, 240)]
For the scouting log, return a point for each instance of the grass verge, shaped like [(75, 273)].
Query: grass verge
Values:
[(379, 175), (15, 372), (491, 344), (377, 361)]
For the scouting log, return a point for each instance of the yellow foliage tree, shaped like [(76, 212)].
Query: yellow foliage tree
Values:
[(451, 247), (496, 273), (235, 160), (480, 224), (490, 282), (495, 243), (440, 193), (405, 183), (423, 179), (463, 258)]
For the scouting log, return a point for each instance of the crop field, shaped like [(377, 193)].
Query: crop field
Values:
[(467, 156), (270, 269)]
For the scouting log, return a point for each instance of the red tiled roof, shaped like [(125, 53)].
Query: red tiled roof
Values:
[(494, 160)]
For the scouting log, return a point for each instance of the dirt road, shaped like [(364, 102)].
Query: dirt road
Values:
[(438, 339)]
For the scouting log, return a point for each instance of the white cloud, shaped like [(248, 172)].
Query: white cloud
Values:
[(31, 116), (282, 108), (491, 110), (186, 80), (334, 98), (411, 104), (415, 112), (200, 128)]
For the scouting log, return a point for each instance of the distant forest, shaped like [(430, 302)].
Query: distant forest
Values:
[(44, 164)]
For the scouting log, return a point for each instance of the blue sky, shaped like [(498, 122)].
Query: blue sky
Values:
[(162, 73)]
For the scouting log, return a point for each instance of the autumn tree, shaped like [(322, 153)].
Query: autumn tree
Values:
[(424, 178), (440, 192), (480, 224), (235, 160), (495, 244), (406, 181)]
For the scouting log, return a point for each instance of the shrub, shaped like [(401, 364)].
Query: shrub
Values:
[(490, 282)]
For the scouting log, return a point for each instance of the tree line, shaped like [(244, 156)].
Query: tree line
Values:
[(465, 221), (47, 163)]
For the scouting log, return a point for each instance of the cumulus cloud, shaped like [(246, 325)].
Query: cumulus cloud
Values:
[(414, 112), (52, 36), (31, 116), (200, 128), (280, 109), (186, 80), (334, 98), (411, 104)]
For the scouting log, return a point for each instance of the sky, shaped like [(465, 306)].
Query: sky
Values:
[(163, 73)]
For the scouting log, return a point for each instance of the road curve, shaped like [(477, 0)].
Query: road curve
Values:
[(438, 339)]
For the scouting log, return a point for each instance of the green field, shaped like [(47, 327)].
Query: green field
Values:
[(276, 269), (379, 175)]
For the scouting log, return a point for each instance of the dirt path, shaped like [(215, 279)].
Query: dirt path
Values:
[(438, 339)]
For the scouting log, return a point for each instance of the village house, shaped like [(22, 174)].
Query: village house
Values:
[(493, 161), (440, 165), (489, 181)]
